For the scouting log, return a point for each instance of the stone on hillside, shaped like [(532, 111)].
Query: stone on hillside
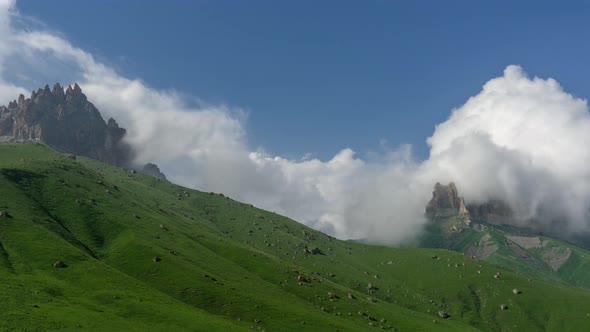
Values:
[(503, 307), (312, 251), (443, 314), (351, 296), (516, 291), (72, 156), (3, 214), (301, 278), (59, 264), (156, 259)]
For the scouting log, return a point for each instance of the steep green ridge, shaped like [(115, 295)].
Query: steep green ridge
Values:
[(225, 265), (533, 256)]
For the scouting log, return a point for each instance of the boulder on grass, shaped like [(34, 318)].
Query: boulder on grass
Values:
[(443, 314), (59, 264)]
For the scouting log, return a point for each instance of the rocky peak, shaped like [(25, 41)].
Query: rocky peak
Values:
[(68, 122), (58, 90), (153, 170), (446, 202)]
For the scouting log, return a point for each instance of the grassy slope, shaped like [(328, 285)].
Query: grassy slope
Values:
[(575, 272), (225, 265)]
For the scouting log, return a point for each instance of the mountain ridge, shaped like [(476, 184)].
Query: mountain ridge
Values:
[(484, 231), (68, 122), (138, 253)]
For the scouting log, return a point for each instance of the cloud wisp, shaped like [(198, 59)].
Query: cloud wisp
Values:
[(520, 139)]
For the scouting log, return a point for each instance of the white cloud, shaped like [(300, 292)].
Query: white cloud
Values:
[(519, 139), (522, 140)]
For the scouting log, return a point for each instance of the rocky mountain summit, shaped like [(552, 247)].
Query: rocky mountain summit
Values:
[(446, 202), (65, 120), (490, 231)]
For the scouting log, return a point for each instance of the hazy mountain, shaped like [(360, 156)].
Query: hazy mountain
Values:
[(488, 231)]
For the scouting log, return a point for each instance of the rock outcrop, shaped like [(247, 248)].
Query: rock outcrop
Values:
[(446, 202), (153, 170), (66, 121)]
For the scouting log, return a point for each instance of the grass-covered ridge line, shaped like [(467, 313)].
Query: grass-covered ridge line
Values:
[(225, 265), (534, 256)]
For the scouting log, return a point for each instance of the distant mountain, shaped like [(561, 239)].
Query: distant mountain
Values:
[(486, 231), (68, 122)]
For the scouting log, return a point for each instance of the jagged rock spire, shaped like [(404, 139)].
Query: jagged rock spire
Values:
[(446, 202)]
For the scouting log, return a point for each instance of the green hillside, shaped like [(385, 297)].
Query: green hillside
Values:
[(146, 255), (533, 256)]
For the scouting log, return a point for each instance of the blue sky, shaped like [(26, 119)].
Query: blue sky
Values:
[(330, 79), (318, 76)]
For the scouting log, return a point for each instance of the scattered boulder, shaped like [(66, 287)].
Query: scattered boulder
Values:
[(312, 251), (162, 226), (443, 314), (72, 156), (156, 259), (516, 291), (301, 278), (503, 307), (351, 296), (59, 264), (3, 214)]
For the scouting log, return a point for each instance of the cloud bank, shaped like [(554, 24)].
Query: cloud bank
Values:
[(522, 140)]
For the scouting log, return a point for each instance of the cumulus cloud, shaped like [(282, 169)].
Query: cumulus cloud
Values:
[(520, 139)]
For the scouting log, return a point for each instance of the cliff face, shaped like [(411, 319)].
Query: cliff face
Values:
[(66, 121), (446, 202)]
